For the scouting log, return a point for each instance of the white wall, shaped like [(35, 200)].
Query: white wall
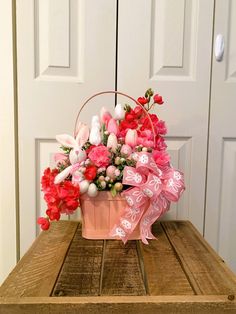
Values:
[(7, 144)]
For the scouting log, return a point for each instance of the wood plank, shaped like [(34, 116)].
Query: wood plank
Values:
[(122, 304), (36, 272), (163, 271), (203, 267), (80, 274), (122, 273)]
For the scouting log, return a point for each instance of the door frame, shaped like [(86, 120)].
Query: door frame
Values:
[(9, 209)]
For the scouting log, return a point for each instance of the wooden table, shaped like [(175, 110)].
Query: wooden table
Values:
[(64, 273)]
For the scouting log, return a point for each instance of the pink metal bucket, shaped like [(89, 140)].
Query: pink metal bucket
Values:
[(100, 213)]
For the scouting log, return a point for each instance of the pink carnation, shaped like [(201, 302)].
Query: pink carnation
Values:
[(145, 138), (100, 156), (161, 127), (161, 158), (160, 143)]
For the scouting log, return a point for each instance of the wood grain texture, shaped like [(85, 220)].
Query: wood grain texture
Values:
[(122, 274), (122, 304), (165, 275), (203, 267), (80, 274), (180, 263), (36, 273)]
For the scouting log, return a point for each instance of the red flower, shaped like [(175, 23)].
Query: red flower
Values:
[(124, 125), (54, 216), (48, 178), (130, 115), (158, 99), (70, 206), (142, 100), (146, 125), (90, 172), (138, 112), (44, 223), (53, 213), (60, 198)]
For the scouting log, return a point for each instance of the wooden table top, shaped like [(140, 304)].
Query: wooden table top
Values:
[(177, 273)]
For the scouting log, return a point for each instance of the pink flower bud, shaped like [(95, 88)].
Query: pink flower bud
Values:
[(103, 184), (111, 172), (112, 126), (117, 172), (101, 169), (126, 150), (131, 138)]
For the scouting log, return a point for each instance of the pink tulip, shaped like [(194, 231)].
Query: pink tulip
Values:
[(105, 115), (112, 126), (131, 138), (82, 135), (60, 158)]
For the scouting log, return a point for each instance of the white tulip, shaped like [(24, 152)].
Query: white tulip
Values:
[(112, 142), (95, 136), (95, 122), (119, 112)]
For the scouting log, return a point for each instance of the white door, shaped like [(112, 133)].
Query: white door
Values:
[(220, 228), (66, 52), (166, 45)]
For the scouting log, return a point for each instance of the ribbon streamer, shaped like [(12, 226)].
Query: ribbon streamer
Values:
[(149, 197)]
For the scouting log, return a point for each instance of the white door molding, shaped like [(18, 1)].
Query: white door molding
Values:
[(220, 219), (8, 216)]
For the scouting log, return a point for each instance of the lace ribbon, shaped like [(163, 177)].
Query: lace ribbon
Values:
[(149, 197)]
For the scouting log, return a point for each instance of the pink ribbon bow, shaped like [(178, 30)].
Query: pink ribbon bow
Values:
[(149, 198)]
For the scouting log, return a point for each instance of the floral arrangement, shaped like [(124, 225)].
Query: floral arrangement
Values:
[(124, 152)]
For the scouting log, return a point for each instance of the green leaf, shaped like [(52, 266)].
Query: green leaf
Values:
[(113, 191), (66, 150), (127, 108)]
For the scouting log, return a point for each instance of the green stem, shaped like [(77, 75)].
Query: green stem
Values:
[(151, 106)]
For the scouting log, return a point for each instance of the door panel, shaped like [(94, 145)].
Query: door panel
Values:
[(166, 45), (66, 52), (221, 203)]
